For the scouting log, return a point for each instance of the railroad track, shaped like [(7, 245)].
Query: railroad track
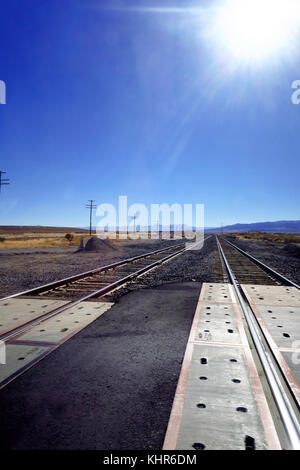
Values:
[(92, 285), (247, 269), (37, 321), (243, 268)]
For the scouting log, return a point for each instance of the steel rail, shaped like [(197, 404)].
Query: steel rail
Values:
[(285, 408), (98, 292), (76, 277), (264, 266)]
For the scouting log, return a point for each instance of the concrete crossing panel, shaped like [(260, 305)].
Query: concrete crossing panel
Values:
[(29, 347), (219, 402)]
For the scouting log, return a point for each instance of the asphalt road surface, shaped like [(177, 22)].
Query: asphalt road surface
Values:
[(112, 385)]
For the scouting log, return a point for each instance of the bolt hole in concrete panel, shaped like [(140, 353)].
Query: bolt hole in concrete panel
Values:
[(286, 335), (203, 378), (230, 331), (198, 446), (274, 295), (201, 405), (57, 332), (236, 381), (249, 443), (241, 409), (203, 360), (17, 312), (233, 360), (22, 354)]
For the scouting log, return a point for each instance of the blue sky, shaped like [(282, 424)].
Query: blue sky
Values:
[(105, 100)]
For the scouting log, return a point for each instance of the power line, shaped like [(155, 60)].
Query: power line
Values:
[(91, 206), (3, 181)]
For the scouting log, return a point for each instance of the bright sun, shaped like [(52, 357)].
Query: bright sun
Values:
[(253, 30)]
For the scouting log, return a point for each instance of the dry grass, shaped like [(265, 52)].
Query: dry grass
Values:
[(43, 240), (33, 239), (270, 237)]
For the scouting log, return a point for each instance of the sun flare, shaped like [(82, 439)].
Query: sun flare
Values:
[(253, 30)]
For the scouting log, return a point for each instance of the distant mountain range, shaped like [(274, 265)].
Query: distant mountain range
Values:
[(281, 226)]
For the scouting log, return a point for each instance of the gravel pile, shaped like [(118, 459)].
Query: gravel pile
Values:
[(282, 257), (98, 245)]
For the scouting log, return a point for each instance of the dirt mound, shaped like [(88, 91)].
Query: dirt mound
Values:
[(98, 245)]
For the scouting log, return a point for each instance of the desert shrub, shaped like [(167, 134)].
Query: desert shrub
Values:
[(69, 237)]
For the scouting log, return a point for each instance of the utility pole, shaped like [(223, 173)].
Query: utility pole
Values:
[(3, 181), (134, 219), (91, 206)]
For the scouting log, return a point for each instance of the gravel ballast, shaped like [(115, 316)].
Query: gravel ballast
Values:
[(28, 268), (192, 266), (274, 255)]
